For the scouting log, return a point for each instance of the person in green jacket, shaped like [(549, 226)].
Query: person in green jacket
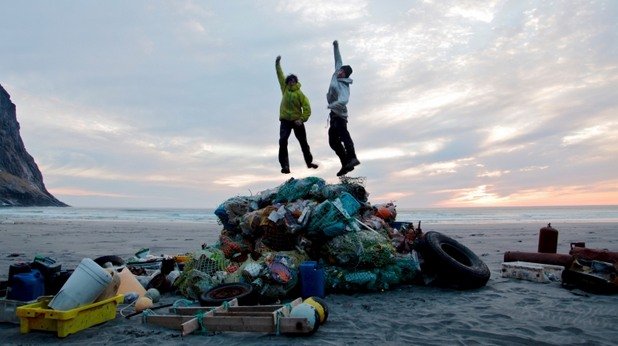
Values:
[(294, 111)]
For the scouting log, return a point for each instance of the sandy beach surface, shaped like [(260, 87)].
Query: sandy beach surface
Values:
[(505, 312)]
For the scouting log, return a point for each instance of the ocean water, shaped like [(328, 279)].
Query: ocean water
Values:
[(486, 215)]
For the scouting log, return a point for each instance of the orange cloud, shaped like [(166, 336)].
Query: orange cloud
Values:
[(602, 193)]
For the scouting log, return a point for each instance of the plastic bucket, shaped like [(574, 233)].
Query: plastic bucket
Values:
[(86, 283), (312, 279)]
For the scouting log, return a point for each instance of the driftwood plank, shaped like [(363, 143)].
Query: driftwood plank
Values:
[(239, 324), (191, 310), (193, 324), (168, 321), (244, 313), (294, 325)]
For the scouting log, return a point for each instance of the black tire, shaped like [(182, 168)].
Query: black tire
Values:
[(116, 261), (453, 264), (226, 292)]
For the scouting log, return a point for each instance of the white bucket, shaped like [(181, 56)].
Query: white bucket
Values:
[(86, 283)]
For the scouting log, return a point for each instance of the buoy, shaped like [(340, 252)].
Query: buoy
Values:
[(153, 294), (320, 306), (130, 297), (143, 303), (304, 310)]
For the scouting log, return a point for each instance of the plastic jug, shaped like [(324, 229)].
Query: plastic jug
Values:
[(312, 279), (26, 286)]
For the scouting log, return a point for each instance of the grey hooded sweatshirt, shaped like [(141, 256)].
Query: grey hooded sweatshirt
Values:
[(339, 89)]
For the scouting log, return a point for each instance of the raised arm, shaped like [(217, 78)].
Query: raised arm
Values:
[(338, 62), (280, 75)]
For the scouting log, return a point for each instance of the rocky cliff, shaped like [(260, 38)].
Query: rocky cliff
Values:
[(21, 182)]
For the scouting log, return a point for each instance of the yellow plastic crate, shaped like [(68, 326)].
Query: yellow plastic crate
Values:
[(38, 316)]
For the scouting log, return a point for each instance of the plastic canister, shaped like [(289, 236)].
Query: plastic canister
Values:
[(312, 279), (83, 286), (17, 268), (26, 286), (548, 239), (49, 268)]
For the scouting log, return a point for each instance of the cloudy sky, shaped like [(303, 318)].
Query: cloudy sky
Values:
[(454, 103)]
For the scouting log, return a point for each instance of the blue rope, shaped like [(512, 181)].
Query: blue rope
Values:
[(200, 321), (182, 303), (278, 316), (146, 313)]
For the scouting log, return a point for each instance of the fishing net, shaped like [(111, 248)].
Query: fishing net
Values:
[(279, 239), (203, 269), (403, 271), (294, 189), (366, 248), (234, 247), (353, 186), (334, 218), (230, 212), (280, 275), (410, 267), (254, 223)]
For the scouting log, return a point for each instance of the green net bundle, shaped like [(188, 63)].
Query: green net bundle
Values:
[(294, 189), (404, 270), (333, 218), (365, 248), (203, 270)]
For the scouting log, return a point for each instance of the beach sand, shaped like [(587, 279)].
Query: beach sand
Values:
[(505, 312)]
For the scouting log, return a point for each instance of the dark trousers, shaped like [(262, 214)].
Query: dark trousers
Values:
[(285, 129), (339, 139)]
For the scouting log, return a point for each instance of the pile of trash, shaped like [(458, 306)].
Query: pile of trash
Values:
[(267, 236)]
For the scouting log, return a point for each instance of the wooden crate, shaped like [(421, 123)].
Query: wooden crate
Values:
[(233, 318)]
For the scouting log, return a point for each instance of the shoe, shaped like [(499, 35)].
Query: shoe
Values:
[(285, 170), (350, 165), (312, 166), (342, 171)]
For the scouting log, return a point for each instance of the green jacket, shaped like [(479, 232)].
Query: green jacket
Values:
[(294, 104)]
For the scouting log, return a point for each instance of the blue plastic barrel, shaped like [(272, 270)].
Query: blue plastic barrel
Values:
[(26, 286), (312, 279)]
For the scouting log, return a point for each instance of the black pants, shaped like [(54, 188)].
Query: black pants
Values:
[(285, 129), (339, 139)]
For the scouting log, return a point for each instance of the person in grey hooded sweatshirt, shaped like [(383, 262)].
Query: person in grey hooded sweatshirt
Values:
[(338, 96)]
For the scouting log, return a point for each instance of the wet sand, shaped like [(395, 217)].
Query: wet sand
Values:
[(505, 312)]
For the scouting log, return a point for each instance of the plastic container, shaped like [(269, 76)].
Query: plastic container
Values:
[(312, 279), (129, 283), (548, 239), (26, 286), (7, 310), (57, 281), (49, 268), (83, 286), (38, 316), (19, 267)]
